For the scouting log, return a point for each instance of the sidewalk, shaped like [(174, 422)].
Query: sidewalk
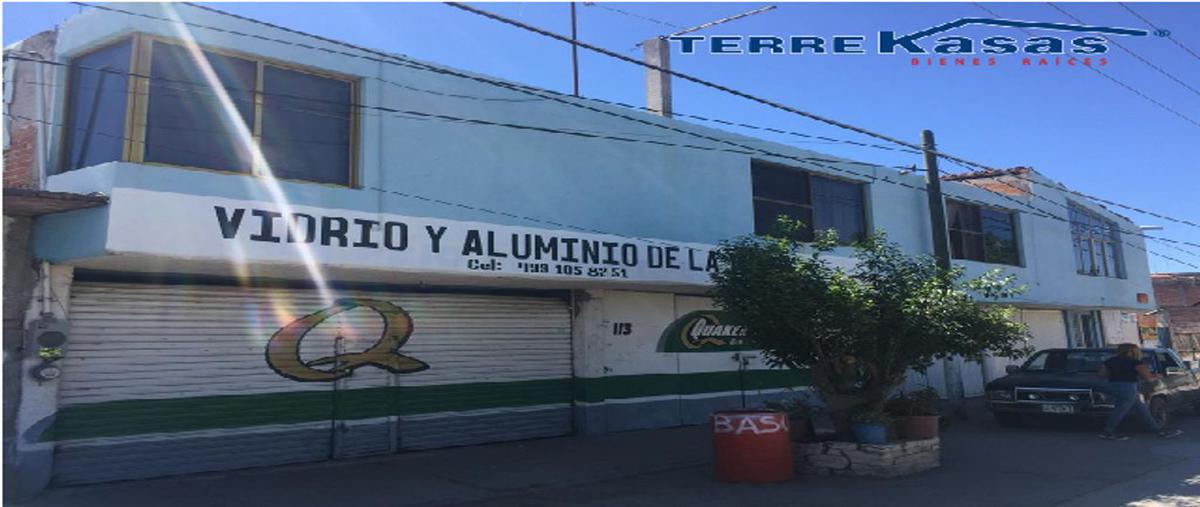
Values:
[(982, 465)]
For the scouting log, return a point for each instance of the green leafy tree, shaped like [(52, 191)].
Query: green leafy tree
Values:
[(860, 329)]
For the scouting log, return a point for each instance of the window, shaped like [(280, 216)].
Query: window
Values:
[(1083, 329), (207, 109), (1166, 360), (1066, 361), (818, 202), (982, 234), (1097, 244), (186, 124), (95, 127)]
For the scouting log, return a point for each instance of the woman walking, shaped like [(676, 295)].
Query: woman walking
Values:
[(1123, 372)]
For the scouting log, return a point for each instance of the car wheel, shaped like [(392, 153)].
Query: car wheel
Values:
[(1158, 409), (1009, 419)]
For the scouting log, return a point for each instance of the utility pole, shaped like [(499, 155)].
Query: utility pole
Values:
[(574, 51), (656, 52), (941, 250), (937, 209)]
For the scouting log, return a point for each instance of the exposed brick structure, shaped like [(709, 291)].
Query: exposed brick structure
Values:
[(20, 157), (20, 171), (20, 154), (1004, 181), (1178, 296)]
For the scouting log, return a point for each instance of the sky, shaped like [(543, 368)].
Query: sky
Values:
[(1099, 135)]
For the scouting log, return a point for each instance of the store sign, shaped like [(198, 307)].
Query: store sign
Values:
[(703, 331), (196, 226), (1080, 39), (283, 349)]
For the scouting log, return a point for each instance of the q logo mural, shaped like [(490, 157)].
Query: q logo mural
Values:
[(283, 350)]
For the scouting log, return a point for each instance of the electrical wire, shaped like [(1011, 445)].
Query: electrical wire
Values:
[(1130, 51), (394, 57), (632, 15), (1035, 210), (1160, 30), (403, 61), (1115, 81), (580, 228), (744, 149)]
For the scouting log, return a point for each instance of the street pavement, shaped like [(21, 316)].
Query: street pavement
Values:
[(982, 464)]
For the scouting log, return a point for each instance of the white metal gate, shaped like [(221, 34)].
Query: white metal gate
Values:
[(166, 379)]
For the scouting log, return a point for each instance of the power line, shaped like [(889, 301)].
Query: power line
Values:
[(752, 97), (1068, 208), (396, 60), (1130, 51), (393, 59), (686, 77), (1116, 81), (744, 149), (713, 85), (516, 215), (1160, 30)]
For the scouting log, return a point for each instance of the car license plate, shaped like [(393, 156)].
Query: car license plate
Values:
[(1058, 409)]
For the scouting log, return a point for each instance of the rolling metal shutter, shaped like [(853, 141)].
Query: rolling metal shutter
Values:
[(168, 379)]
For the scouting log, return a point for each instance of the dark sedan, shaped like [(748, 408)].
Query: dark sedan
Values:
[(1064, 382)]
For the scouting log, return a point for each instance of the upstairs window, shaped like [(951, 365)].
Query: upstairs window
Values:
[(818, 202), (209, 109), (979, 233), (95, 129), (1097, 244)]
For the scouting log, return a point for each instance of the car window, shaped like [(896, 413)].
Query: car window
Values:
[(1167, 361), (1067, 360)]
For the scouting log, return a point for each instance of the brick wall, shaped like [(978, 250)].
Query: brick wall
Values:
[(20, 157), (20, 154), (20, 170), (1178, 294)]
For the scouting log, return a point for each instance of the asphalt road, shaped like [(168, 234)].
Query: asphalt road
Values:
[(983, 464)]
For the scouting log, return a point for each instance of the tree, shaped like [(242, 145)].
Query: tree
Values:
[(860, 329)]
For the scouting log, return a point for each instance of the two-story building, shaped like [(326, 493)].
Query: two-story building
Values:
[(314, 251)]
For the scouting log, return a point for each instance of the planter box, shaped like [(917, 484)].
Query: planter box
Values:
[(870, 460)]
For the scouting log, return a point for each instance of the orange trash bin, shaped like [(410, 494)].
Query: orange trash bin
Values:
[(752, 446)]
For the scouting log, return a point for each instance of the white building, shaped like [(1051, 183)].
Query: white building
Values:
[(473, 282)]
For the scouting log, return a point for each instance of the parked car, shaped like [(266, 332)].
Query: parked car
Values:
[(1064, 382)]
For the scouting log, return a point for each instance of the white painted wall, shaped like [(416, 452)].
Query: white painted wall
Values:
[(664, 192)]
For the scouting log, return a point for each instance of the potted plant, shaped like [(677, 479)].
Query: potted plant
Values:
[(869, 426), (916, 414), (798, 418), (858, 330)]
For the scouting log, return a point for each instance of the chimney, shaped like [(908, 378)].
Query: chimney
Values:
[(657, 52)]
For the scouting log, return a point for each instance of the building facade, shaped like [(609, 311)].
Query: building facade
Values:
[(313, 251), (1177, 320)]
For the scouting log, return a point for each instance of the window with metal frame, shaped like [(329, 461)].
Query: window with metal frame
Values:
[(1084, 329), (206, 108), (817, 202), (1097, 244), (95, 129), (980, 233)]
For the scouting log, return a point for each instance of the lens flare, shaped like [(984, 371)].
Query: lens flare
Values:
[(244, 136)]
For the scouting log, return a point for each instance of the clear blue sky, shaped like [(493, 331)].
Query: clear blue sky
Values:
[(1068, 123)]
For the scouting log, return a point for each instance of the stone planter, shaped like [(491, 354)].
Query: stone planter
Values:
[(870, 460)]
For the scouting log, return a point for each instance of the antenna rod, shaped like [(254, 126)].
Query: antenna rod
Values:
[(722, 20)]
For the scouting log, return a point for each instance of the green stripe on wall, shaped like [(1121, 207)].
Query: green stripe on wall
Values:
[(594, 390), (135, 417)]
